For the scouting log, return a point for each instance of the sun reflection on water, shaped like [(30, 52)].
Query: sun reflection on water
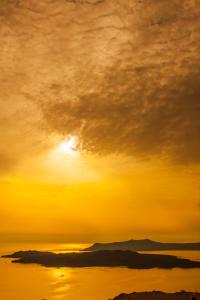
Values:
[(62, 281)]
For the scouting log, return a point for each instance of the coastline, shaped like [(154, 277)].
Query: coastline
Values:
[(104, 258)]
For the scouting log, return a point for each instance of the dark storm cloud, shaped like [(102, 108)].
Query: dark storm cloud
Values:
[(122, 75), (132, 118)]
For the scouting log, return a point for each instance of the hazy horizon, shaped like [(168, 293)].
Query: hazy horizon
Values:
[(66, 239)]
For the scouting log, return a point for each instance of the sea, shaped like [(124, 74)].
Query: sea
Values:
[(34, 282)]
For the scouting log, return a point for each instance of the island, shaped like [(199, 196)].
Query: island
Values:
[(104, 258), (155, 295), (143, 245)]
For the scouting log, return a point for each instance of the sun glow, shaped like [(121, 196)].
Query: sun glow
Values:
[(69, 146)]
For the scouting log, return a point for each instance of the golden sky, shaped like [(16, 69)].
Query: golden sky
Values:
[(99, 120)]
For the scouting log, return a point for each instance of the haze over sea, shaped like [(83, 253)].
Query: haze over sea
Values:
[(34, 282)]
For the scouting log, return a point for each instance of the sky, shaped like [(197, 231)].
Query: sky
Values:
[(99, 120)]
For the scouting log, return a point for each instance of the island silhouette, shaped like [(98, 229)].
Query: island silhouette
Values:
[(156, 295), (143, 245), (103, 258)]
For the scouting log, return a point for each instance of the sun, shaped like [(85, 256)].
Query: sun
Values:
[(69, 146)]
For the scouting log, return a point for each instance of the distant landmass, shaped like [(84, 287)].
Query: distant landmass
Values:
[(143, 245), (104, 258), (158, 296)]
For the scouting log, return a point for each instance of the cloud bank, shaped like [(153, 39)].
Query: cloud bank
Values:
[(122, 75)]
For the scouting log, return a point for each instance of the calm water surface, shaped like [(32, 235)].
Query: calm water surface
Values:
[(33, 282)]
